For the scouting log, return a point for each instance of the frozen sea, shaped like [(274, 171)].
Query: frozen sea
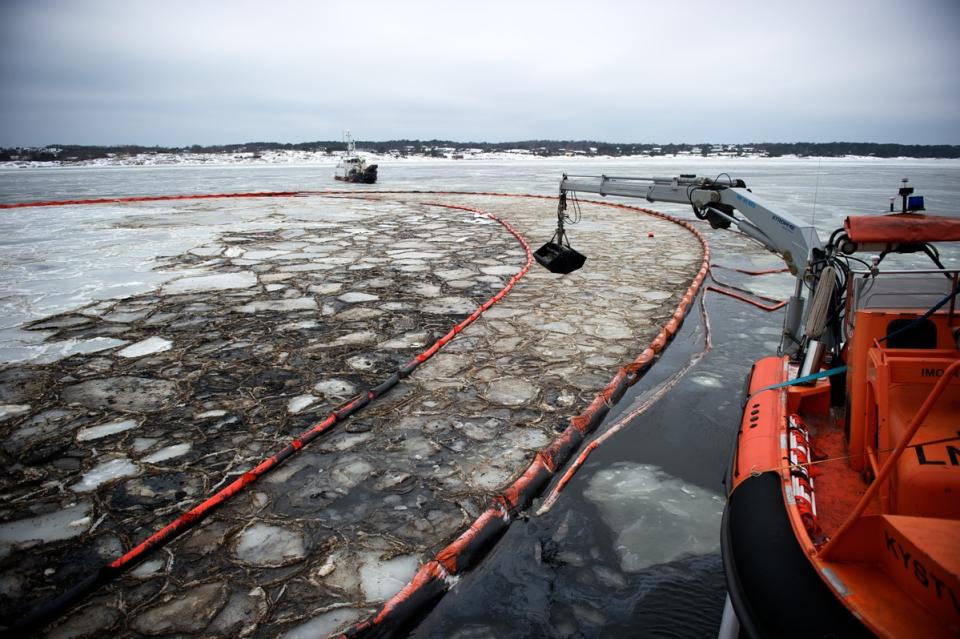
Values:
[(631, 549)]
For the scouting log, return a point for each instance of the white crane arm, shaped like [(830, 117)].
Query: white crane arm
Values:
[(717, 201)]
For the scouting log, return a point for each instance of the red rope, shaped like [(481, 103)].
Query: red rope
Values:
[(778, 304)]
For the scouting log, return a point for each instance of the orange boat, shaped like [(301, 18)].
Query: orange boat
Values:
[(843, 506), (843, 512)]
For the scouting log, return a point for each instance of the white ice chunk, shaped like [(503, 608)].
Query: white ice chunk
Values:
[(55, 526), (12, 410), (500, 270), (418, 338), (655, 296), (450, 305), (510, 391), (354, 296), (336, 388), (657, 517), (206, 251), (102, 430), (352, 339), (326, 624), (381, 580), (417, 255), (210, 413), (325, 289), (300, 402), (167, 453), (107, 471), (148, 346), (218, 282), (141, 444), (707, 381), (148, 568), (266, 545), (295, 304)]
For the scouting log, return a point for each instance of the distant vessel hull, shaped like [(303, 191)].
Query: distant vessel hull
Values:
[(367, 176)]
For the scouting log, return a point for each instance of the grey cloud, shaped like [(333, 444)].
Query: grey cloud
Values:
[(107, 72)]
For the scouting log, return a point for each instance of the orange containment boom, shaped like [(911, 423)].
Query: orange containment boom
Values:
[(902, 228)]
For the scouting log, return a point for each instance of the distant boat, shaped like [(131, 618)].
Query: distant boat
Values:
[(353, 168)]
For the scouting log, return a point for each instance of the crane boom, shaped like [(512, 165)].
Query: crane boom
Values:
[(718, 201)]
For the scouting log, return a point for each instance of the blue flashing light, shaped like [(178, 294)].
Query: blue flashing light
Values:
[(915, 203)]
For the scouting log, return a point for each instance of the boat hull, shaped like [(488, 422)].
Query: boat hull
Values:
[(367, 176), (774, 589)]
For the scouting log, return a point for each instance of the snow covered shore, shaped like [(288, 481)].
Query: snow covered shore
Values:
[(290, 157)]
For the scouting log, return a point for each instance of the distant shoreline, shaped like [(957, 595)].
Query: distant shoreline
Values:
[(288, 157), (324, 151)]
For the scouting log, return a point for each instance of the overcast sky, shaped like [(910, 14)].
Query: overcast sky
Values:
[(207, 72)]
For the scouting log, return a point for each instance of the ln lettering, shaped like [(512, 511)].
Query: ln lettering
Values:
[(953, 455)]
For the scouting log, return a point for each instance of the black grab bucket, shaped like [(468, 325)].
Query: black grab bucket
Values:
[(559, 258)]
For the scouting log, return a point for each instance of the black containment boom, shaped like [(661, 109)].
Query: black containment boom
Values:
[(557, 256)]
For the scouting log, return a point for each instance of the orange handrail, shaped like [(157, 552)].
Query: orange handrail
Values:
[(888, 466)]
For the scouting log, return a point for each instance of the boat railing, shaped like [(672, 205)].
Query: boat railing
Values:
[(888, 466), (919, 288)]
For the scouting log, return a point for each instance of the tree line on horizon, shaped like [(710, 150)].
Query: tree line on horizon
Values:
[(545, 148)]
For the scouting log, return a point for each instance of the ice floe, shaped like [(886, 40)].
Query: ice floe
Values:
[(450, 306), (217, 282), (335, 388), (267, 545), (105, 472), (149, 346), (169, 452), (295, 304), (102, 430), (510, 391), (353, 297), (60, 524), (210, 413), (381, 579), (12, 410), (656, 517), (325, 624), (148, 568), (298, 403), (187, 611), (123, 393)]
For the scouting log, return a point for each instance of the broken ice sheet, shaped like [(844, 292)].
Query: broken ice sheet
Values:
[(148, 346), (12, 410), (105, 472), (326, 624), (60, 524), (167, 453), (658, 517), (336, 388), (353, 297), (102, 430), (381, 579), (298, 403), (218, 282), (265, 545)]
